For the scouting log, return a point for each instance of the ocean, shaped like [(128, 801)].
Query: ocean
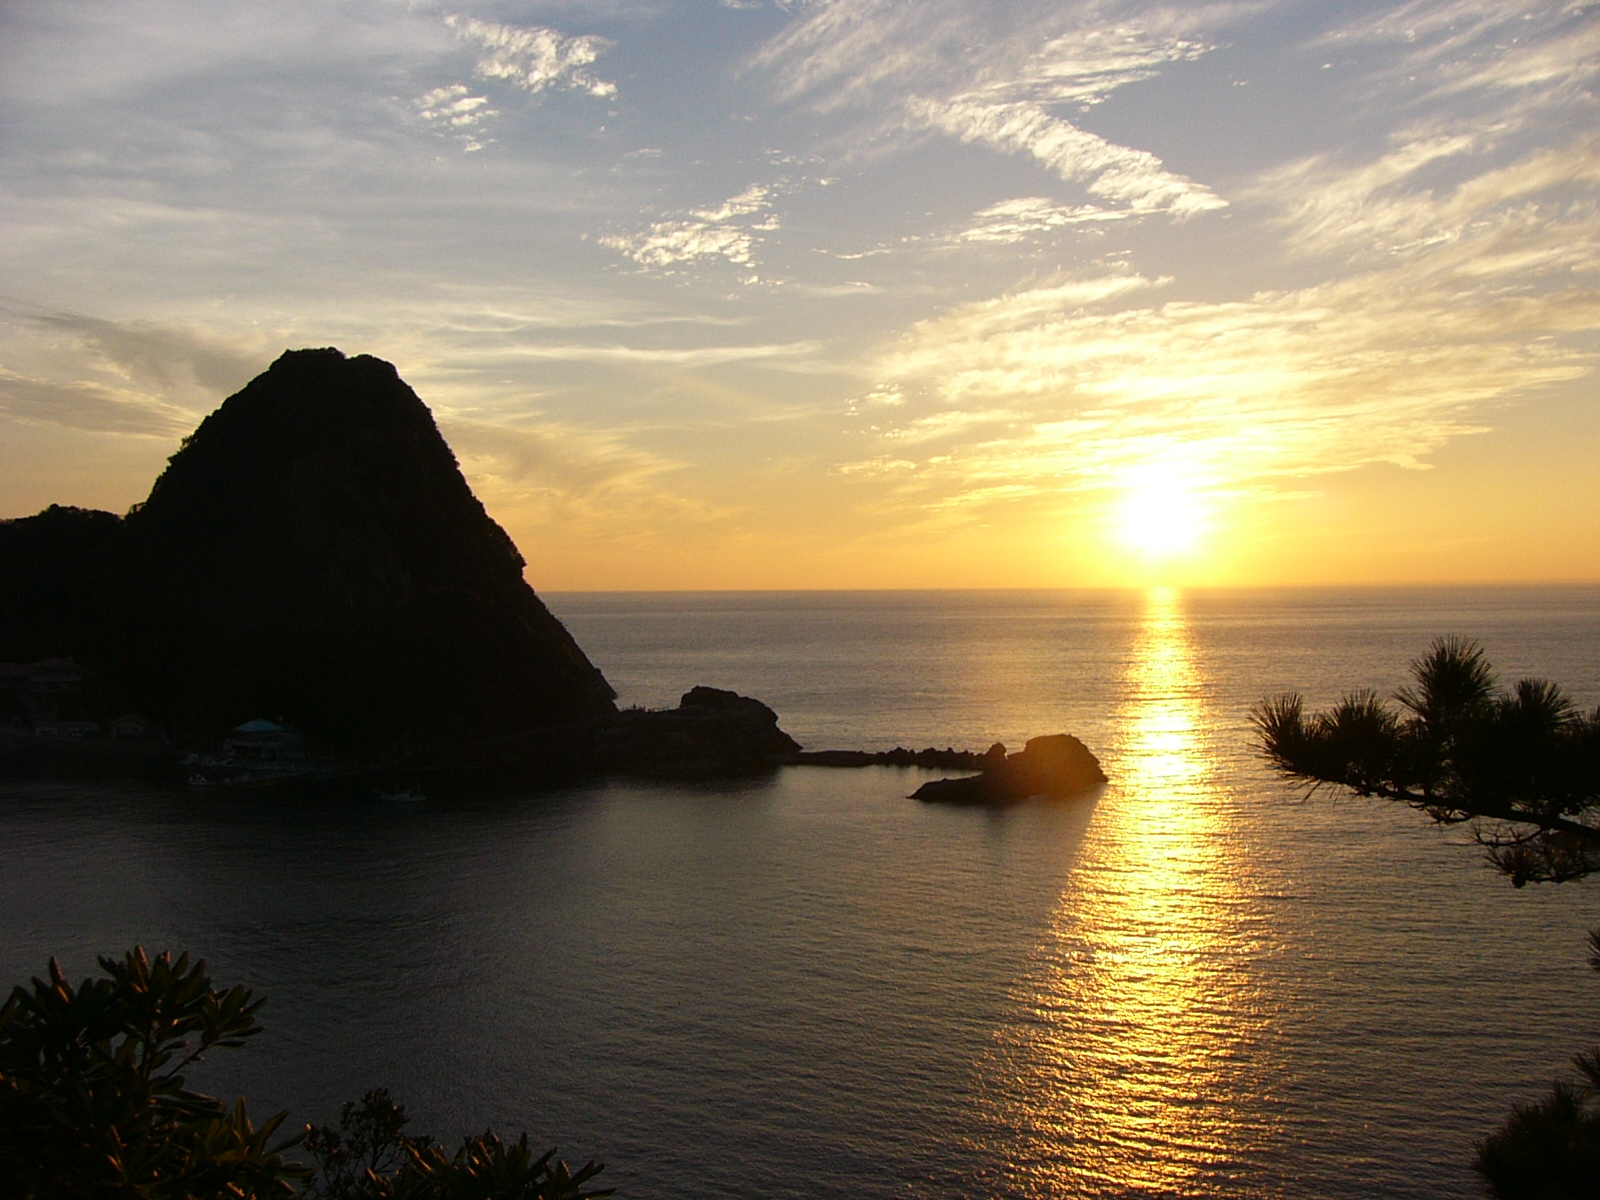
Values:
[(1199, 982)]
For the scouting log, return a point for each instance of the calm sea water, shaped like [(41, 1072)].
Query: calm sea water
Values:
[(1194, 984)]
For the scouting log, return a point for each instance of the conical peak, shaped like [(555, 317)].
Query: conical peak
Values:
[(320, 391), (312, 414), (318, 550), (324, 364)]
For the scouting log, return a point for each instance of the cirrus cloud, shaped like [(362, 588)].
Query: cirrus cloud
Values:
[(711, 233), (1062, 388), (534, 58)]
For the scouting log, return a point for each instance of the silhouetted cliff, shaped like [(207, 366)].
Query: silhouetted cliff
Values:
[(312, 552)]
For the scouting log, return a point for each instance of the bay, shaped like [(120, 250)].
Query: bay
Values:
[(1196, 983)]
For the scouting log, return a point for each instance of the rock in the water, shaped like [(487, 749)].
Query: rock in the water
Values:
[(711, 733), (312, 551), (1055, 765)]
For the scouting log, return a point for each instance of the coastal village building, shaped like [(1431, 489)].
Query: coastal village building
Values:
[(129, 727), (262, 741)]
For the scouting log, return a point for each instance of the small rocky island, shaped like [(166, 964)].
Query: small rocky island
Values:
[(311, 591), (1057, 765)]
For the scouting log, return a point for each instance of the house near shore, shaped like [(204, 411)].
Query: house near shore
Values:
[(261, 740), (129, 727)]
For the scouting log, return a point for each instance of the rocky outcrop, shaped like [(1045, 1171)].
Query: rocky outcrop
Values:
[(312, 552), (711, 733), (1056, 765)]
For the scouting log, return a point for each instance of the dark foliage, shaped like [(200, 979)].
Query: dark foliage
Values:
[(93, 1099), (1551, 1150), (1524, 764), (313, 553), (370, 1157), (370, 1141), (93, 1103)]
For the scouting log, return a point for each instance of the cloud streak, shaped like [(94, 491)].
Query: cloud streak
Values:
[(90, 407), (1013, 221), (153, 380), (1055, 390), (939, 67), (534, 58), (1368, 211), (1548, 50), (580, 483), (158, 357), (689, 357), (724, 232), (455, 111), (1133, 179)]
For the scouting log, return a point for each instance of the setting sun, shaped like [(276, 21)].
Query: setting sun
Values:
[(1160, 514)]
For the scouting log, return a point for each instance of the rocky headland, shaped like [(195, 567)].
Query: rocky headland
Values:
[(311, 592), (312, 553)]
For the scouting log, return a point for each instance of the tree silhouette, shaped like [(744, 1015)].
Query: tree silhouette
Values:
[(1550, 1150), (1522, 765), (93, 1100), (94, 1103)]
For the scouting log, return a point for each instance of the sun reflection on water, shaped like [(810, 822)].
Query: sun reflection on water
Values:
[(1133, 1033)]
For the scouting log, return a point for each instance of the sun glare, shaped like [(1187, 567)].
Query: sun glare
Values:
[(1160, 515)]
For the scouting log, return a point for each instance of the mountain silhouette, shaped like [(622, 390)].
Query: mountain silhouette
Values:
[(311, 553)]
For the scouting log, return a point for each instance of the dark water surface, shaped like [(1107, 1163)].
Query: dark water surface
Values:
[(1194, 984)]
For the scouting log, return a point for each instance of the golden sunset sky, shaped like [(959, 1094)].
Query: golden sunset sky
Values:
[(845, 293)]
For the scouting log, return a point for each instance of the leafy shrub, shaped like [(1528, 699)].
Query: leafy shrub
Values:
[(93, 1102), (92, 1094), (371, 1157)]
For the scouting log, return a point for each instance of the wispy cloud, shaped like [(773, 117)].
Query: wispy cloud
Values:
[(1489, 99), (577, 483), (947, 68), (688, 357), (1550, 48), (87, 406), (1378, 208), (1134, 179), (571, 464), (121, 377), (163, 358), (1050, 391), (455, 111), (533, 57), (1013, 221), (725, 232), (1084, 65)]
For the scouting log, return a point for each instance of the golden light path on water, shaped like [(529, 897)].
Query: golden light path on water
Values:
[(1128, 1069)]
